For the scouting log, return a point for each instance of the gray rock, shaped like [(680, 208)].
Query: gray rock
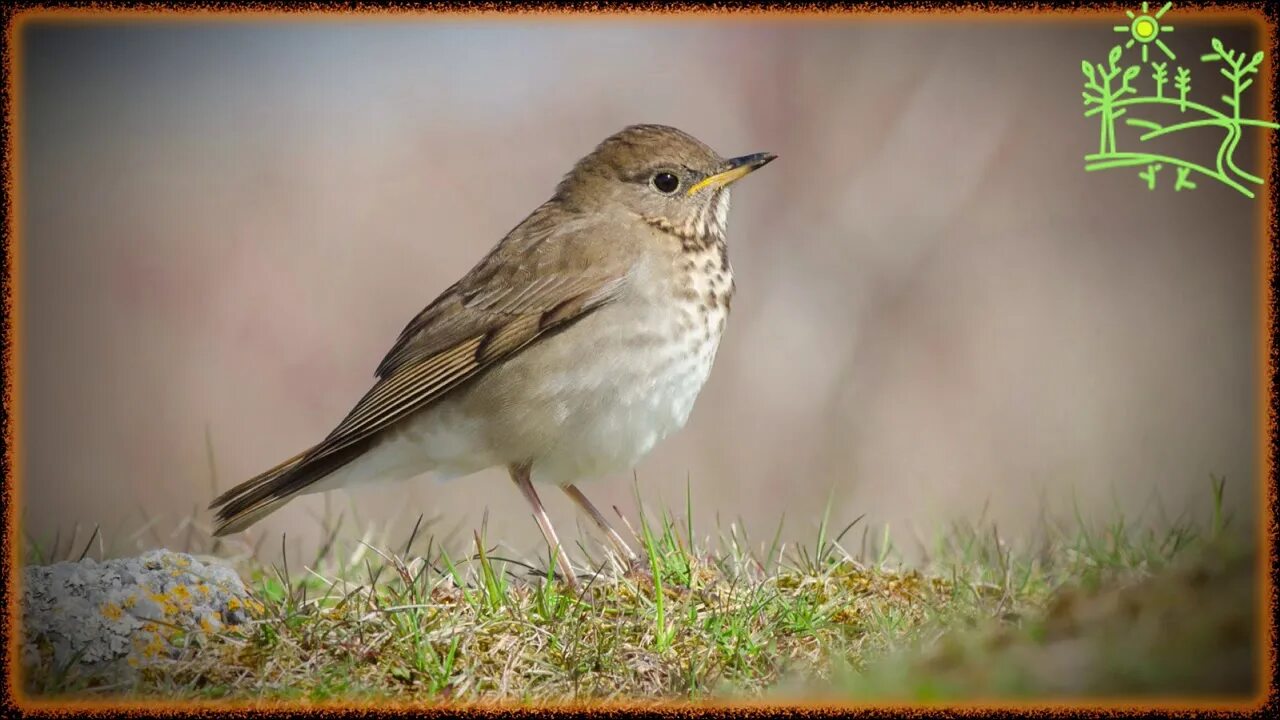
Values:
[(108, 619)]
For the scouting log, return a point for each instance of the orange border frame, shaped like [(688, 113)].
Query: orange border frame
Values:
[(1268, 357)]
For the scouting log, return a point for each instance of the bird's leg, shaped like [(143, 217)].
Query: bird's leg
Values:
[(520, 474), (582, 501)]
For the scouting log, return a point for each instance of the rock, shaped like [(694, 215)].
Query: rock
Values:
[(105, 620)]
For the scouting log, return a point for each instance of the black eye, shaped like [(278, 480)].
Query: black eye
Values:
[(665, 182)]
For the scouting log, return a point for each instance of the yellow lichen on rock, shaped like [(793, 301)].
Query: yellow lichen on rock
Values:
[(253, 606), (182, 596), (111, 611), (134, 610), (154, 646), (166, 606)]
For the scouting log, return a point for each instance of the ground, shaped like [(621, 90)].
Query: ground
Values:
[(1145, 610)]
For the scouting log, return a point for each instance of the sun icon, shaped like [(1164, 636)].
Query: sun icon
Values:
[(1145, 29)]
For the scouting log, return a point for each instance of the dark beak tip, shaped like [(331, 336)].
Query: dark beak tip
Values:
[(754, 161), (759, 160)]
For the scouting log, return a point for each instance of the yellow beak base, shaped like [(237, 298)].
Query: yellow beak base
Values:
[(734, 170)]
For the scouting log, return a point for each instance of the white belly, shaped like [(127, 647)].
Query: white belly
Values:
[(588, 402), (616, 418)]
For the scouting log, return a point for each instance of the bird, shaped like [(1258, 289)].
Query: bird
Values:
[(565, 354)]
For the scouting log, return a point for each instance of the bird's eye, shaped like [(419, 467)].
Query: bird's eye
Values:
[(666, 183)]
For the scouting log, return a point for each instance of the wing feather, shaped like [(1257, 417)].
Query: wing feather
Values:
[(543, 276)]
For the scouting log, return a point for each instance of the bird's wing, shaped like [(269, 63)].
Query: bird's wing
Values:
[(543, 276), (423, 365)]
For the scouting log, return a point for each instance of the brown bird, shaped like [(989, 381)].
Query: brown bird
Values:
[(576, 344)]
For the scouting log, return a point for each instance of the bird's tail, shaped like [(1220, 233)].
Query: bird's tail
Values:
[(242, 506), (254, 499)]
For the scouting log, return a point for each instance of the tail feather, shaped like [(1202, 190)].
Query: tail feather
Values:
[(258, 480), (243, 519), (254, 499)]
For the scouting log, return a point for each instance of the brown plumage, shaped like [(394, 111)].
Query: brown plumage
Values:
[(574, 345)]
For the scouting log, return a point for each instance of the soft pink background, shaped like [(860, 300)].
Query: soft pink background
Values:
[(225, 225)]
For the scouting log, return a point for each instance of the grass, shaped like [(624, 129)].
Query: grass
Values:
[(1127, 607)]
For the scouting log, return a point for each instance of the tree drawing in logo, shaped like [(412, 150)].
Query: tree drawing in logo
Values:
[(1109, 94)]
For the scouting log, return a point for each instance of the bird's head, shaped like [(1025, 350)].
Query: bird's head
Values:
[(662, 174)]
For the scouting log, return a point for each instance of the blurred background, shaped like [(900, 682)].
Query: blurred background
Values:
[(225, 224)]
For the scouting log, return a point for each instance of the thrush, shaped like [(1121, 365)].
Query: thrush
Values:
[(581, 340)]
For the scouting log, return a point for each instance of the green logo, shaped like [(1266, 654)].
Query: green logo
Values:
[(1110, 94)]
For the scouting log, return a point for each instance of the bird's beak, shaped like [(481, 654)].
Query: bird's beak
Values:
[(734, 169)]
